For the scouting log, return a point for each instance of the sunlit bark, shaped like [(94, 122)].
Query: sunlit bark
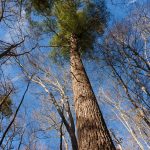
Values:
[(91, 128)]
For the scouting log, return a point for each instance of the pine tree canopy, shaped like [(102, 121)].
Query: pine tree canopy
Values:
[(84, 19)]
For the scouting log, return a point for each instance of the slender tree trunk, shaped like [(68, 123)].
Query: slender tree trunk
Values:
[(91, 128)]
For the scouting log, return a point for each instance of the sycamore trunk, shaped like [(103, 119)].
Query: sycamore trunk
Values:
[(91, 129)]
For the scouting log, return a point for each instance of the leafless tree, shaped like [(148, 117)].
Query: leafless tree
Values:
[(14, 117), (126, 52), (55, 96)]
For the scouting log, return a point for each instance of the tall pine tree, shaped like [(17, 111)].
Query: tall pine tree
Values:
[(77, 26)]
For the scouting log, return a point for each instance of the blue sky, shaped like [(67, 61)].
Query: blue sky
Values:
[(118, 12)]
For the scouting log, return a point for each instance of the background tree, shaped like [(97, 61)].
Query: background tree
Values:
[(12, 40), (11, 18), (126, 53), (54, 92)]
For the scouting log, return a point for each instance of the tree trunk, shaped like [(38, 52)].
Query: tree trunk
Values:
[(91, 128)]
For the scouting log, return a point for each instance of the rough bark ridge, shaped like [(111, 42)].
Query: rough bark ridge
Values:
[(91, 128)]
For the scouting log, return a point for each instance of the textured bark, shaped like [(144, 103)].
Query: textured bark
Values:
[(91, 128)]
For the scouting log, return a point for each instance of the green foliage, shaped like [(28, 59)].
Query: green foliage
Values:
[(5, 108), (85, 19), (85, 22)]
